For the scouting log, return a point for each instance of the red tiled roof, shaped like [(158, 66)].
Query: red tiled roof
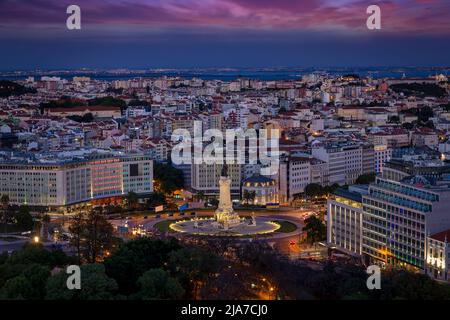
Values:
[(440, 236)]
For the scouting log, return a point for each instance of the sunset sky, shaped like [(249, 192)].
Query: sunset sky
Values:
[(223, 33)]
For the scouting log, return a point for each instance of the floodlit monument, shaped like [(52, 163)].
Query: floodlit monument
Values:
[(226, 222), (225, 215)]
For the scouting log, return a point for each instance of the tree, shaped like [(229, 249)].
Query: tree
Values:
[(76, 232), (98, 235), (108, 101), (29, 285), (193, 266), (10, 88), (408, 125), (3, 257), (45, 220), (4, 202), (394, 119), (230, 284), (139, 103), (424, 114), (405, 285), (158, 284), (429, 124), (249, 196), (200, 196), (86, 118), (132, 200), (246, 196), (313, 190), (445, 107), (36, 253), (324, 285), (135, 257), (252, 196), (95, 285), (315, 229), (92, 235), (16, 288), (167, 178), (366, 178), (156, 199), (419, 89), (24, 219)]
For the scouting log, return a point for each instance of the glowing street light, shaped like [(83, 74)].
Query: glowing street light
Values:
[(36, 239)]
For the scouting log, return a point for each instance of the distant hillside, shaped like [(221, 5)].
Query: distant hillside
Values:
[(9, 88), (419, 89)]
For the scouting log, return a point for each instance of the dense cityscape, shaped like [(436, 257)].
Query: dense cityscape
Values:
[(88, 178)]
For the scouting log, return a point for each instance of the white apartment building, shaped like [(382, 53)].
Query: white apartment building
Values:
[(296, 172), (438, 255), (346, 160), (294, 176)]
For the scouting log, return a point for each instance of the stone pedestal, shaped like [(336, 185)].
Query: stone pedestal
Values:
[(225, 216)]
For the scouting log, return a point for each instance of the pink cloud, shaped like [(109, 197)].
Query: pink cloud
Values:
[(425, 16)]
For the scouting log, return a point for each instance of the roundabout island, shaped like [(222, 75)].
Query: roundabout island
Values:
[(226, 222), (209, 227)]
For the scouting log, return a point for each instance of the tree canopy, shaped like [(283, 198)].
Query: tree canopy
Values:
[(316, 190), (167, 178), (366, 178), (419, 89), (158, 284), (315, 229), (95, 285), (10, 88), (135, 257)]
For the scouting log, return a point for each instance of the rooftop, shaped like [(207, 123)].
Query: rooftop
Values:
[(442, 236)]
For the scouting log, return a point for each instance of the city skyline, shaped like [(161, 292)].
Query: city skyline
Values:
[(224, 151), (189, 34)]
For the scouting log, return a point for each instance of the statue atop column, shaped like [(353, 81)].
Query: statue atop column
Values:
[(224, 172), (225, 215)]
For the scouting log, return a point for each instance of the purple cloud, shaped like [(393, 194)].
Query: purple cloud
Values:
[(423, 16)]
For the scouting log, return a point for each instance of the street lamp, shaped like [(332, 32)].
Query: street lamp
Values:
[(36, 239)]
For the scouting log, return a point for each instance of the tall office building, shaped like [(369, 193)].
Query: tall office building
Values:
[(58, 180), (404, 218), (398, 216), (344, 219)]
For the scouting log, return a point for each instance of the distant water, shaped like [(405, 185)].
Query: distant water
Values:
[(227, 75)]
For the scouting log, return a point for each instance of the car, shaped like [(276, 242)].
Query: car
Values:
[(170, 214), (145, 217), (181, 213), (192, 213), (158, 216)]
